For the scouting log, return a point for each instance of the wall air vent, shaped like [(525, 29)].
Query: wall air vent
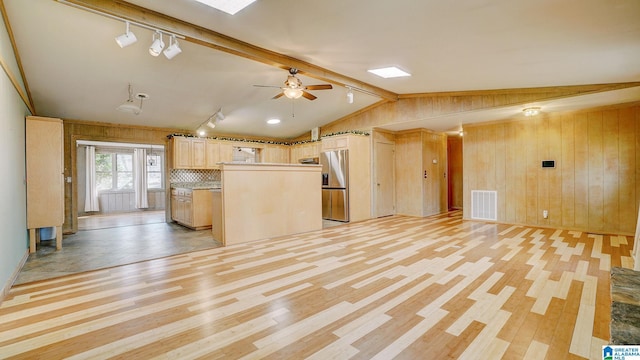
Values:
[(484, 205)]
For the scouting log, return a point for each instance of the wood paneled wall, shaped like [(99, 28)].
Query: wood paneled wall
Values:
[(595, 185), (413, 107)]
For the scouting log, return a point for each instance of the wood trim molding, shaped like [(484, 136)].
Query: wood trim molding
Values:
[(24, 94), (209, 38), (560, 90)]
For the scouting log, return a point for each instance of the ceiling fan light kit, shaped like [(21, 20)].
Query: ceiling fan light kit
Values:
[(293, 88), (292, 93)]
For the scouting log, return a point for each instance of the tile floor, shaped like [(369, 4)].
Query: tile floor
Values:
[(108, 241)]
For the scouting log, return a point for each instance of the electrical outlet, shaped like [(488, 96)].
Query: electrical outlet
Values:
[(545, 214)]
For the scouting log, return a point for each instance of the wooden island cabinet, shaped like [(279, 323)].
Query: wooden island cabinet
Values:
[(191, 207), (252, 204)]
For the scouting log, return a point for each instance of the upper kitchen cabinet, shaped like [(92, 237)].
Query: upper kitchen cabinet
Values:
[(275, 154), (304, 151), (181, 152), (45, 177), (226, 151), (421, 171), (188, 153), (198, 153), (336, 142)]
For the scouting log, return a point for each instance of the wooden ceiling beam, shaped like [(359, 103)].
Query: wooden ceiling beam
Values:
[(209, 38)]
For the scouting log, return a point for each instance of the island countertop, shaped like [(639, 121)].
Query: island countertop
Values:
[(284, 165)]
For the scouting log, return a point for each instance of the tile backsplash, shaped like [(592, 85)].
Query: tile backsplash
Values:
[(194, 175)]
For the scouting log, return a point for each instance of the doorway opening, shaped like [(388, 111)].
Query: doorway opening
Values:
[(119, 184), (454, 164)]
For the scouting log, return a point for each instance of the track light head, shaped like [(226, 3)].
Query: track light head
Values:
[(350, 96), (219, 115), (127, 38), (157, 45), (173, 49)]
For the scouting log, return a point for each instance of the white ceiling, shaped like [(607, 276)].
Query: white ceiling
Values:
[(75, 69)]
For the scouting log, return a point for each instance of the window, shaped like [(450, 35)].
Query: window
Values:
[(124, 171), (104, 171), (114, 170), (154, 171)]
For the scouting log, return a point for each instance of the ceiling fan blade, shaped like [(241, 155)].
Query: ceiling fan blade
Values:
[(278, 96), (319, 87), (309, 96), (268, 86)]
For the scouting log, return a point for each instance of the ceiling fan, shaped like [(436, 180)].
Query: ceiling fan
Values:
[(293, 88)]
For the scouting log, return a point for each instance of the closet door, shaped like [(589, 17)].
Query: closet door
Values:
[(45, 173)]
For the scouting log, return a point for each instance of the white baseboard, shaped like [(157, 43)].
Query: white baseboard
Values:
[(4, 291)]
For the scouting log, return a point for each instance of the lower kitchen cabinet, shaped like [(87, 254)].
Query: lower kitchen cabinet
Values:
[(191, 207)]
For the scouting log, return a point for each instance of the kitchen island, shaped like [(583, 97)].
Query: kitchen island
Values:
[(262, 200)]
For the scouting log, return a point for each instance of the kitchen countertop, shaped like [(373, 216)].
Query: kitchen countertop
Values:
[(240, 163), (197, 185)]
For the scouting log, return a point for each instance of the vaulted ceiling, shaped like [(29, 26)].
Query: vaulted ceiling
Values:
[(75, 70)]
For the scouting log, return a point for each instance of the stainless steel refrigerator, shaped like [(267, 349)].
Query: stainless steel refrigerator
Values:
[(335, 185)]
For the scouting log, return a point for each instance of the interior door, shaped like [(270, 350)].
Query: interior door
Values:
[(385, 175)]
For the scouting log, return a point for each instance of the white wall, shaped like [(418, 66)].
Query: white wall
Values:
[(14, 243)]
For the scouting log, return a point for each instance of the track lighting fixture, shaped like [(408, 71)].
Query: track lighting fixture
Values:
[(350, 96), (157, 45), (127, 38), (211, 122), (173, 49)]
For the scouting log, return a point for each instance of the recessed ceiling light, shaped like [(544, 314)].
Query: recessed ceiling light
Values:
[(273, 121), (389, 72), (231, 7)]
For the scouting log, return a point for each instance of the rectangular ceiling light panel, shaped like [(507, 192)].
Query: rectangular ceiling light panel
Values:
[(231, 7), (389, 72)]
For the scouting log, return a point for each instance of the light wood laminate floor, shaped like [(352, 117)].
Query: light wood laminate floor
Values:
[(396, 287)]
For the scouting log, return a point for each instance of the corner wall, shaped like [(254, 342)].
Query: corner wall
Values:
[(594, 187), (14, 243)]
